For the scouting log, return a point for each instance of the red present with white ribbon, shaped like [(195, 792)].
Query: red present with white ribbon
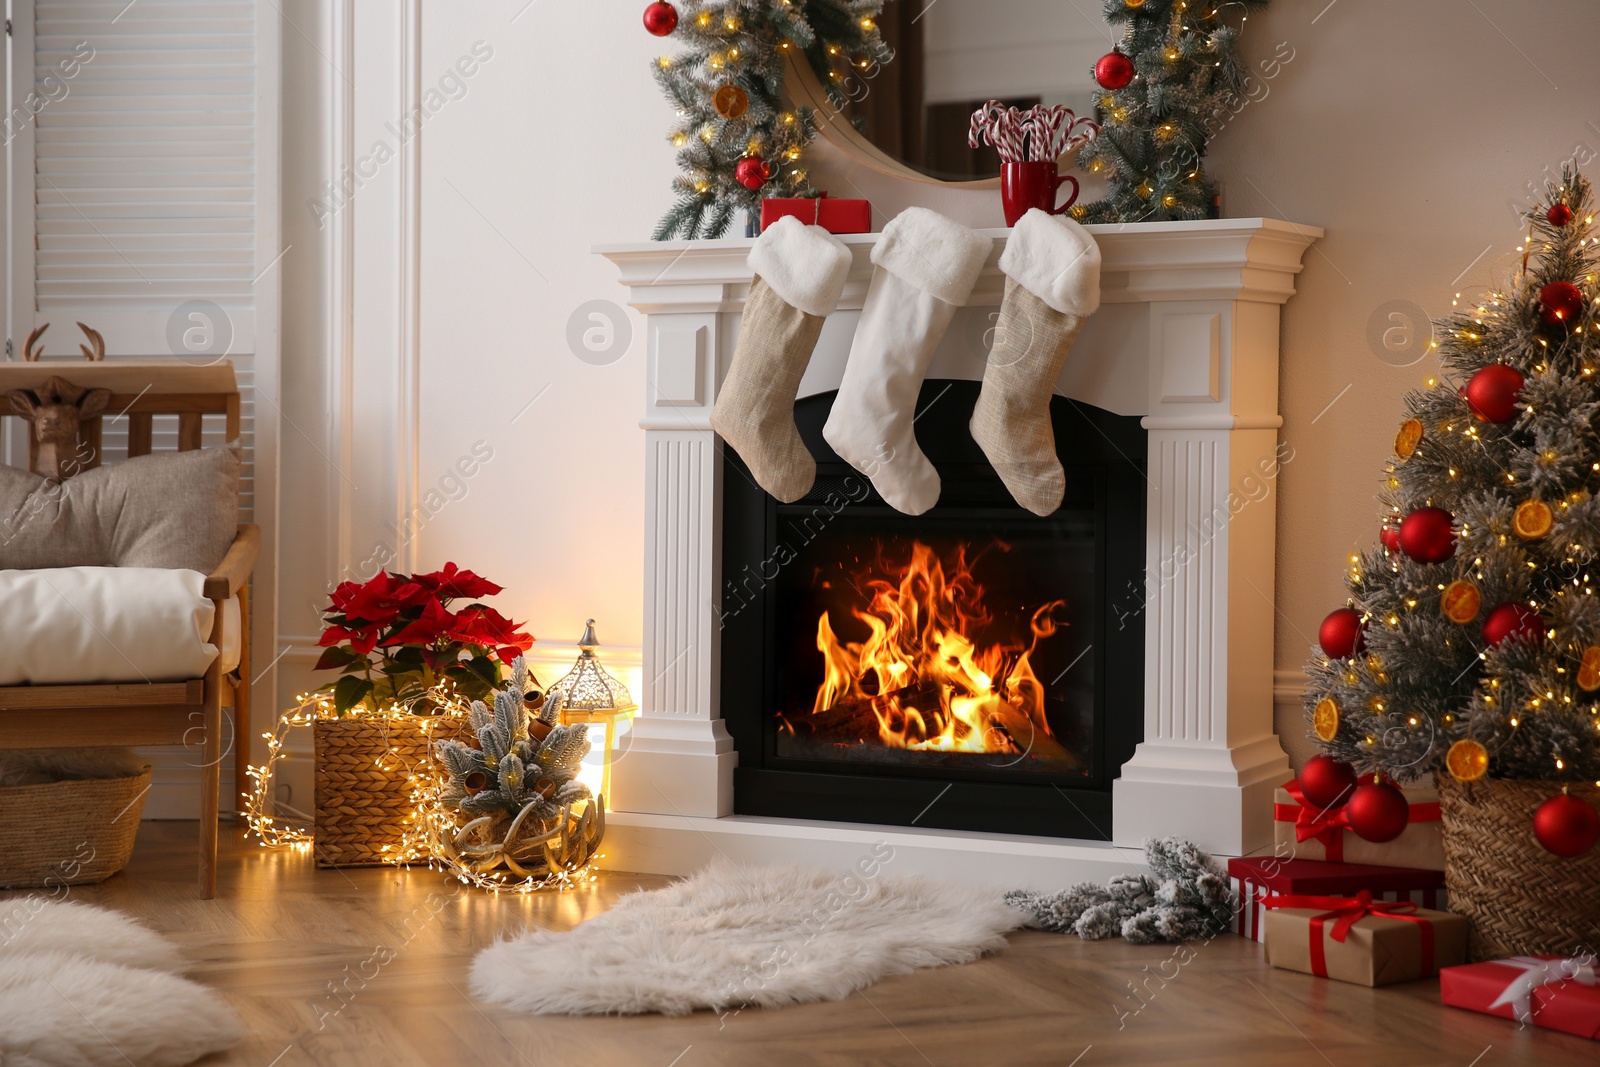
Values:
[(1553, 992), (1260, 878), (1307, 832), (835, 216)]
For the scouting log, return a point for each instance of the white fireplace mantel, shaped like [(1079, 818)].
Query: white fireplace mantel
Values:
[(1186, 337)]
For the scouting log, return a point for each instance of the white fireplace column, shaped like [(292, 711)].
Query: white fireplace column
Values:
[(1187, 337)]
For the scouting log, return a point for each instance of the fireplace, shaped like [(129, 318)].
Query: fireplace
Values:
[(971, 668), (1183, 348)]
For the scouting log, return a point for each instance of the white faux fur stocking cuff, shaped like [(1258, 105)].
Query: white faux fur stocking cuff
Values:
[(938, 256), (1056, 260), (805, 265)]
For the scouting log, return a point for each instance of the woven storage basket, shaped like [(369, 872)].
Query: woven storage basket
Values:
[(69, 833), (1520, 899), (363, 796)]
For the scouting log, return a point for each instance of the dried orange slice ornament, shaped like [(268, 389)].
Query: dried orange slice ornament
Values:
[(1325, 719), (730, 101), (1467, 761), (1409, 437), (1533, 519), (1589, 670), (1460, 601)]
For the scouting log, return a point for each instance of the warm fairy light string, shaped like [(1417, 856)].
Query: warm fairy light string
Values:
[(431, 820)]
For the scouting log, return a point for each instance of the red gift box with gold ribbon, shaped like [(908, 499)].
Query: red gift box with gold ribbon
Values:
[(1552, 992), (835, 216), (1361, 940), (1306, 832)]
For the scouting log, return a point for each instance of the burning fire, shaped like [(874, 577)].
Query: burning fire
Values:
[(921, 680)]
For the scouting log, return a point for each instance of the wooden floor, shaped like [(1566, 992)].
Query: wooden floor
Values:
[(299, 952)]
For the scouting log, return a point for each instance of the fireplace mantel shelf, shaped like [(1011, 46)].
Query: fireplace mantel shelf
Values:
[(1187, 339)]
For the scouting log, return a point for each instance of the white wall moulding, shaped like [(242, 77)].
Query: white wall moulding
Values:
[(1187, 338)]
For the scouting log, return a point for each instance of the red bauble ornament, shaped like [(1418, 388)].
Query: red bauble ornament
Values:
[(752, 172), (1566, 825), (1559, 215), (1426, 535), (1560, 302), (660, 18), (1113, 71), (1492, 393), (1513, 620), (1326, 782), (1390, 536), (1377, 811), (1342, 634)]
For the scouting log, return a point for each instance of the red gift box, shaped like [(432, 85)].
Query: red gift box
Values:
[(1303, 830), (835, 216), (1261, 878), (1547, 991)]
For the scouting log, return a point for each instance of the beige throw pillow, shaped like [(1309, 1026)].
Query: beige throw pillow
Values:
[(169, 510)]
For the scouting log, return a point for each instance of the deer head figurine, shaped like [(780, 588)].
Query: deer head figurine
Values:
[(57, 409), (94, 351)]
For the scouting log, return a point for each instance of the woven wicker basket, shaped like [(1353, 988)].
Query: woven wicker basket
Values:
[(1520, 899), (363, 796), (69, 833)]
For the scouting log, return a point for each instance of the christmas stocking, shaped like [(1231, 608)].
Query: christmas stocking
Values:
[(926, 267), (800, 271), (1052, 269)]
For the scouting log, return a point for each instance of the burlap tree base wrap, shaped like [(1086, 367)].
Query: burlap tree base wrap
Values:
[(363, 793)]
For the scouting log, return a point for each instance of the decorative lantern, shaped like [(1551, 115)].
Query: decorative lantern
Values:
[(590, 695)]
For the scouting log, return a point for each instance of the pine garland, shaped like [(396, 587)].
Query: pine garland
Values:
[(1154, 131), (1425, 683), (744, 44)]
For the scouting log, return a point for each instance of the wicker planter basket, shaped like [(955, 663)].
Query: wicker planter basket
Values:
[(1520, 899), (69, 833), (363, 796)]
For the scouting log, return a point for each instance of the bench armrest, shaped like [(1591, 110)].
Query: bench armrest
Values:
[(233, 572)]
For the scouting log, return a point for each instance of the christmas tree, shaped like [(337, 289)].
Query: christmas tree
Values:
[(1170, 83), (1472, 640), (737, 142)]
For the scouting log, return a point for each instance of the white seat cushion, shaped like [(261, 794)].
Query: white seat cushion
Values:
[(81, 625)]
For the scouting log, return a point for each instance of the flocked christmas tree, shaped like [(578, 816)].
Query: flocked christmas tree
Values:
[(1471, 645), (1172, 81), (737, 141)]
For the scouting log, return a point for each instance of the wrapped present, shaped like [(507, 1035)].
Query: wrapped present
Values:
[(1547, 991), (1257, 879), (1361, 940), (835, 216), (1307, 832)]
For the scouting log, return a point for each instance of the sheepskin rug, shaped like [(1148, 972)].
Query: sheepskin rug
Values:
[(732, 936), (87, 987)]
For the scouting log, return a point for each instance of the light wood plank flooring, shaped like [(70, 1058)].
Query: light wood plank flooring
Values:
[(298, 952)]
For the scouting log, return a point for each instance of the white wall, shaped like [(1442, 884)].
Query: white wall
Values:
[(1403, 129)]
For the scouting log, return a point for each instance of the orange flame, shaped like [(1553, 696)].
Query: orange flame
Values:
[(928, 682)]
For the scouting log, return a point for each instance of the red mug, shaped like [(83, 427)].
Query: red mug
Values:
[(1032, 185)]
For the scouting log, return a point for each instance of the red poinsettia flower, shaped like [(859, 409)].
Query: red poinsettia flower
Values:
[(343, 595), (432, 624), (452, 581), (382, 598), (487, 627), (363, 639)]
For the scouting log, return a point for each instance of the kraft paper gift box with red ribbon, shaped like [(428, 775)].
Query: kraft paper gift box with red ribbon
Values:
[(1361, 940), (835, 216), (1547, 991), (1259, 878), (1307, 832)]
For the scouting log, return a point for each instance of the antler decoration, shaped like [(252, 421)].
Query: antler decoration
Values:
[(94, 351)]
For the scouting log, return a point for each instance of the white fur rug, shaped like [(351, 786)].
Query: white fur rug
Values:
[(87, 987), (733, 936)]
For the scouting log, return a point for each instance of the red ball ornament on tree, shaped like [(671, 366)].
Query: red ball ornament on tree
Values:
[(1559, 215), (1560, 302), (1377, 811), (1566, 825), (1341, 634), (1113, 71), (1390, 536), (1427, 536), (1492, 392), (1513, 620), (660, 18), (1326, 782), (752, 172)]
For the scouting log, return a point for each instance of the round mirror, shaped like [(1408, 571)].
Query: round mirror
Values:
[(953, 55)]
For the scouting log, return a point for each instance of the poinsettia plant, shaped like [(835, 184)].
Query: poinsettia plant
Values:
[(394, 637)]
